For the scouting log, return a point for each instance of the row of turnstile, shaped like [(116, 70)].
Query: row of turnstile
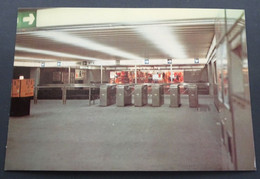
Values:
[(121, 95)]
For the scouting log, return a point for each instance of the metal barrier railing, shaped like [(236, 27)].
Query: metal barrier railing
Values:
[(65, 87)]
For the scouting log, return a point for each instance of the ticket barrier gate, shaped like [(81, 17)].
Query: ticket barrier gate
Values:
[(123, 95), (140, 95), (193, 96), (107, 94), (175, 95), (157, 95)]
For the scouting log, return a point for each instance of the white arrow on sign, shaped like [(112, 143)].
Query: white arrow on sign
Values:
[(29, 19)]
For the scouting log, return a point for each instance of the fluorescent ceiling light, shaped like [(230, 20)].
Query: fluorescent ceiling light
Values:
[(58, 54), (164, 39), (33, 59), (84, 43)]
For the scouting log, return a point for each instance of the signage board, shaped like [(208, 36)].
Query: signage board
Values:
[(26, 19), (43, 64)]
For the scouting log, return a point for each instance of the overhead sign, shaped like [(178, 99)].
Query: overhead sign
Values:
[(58, 64), (43, 64), (196, 60), (169, 61), (26, 19), (117, 62), (146, 61), (79, 74)]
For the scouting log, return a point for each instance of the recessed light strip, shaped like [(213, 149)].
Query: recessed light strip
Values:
[(33, 59), (58, 54), (164, 39), (66, 38)]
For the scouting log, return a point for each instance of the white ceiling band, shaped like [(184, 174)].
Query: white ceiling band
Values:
[(67, 38), (52, 53)]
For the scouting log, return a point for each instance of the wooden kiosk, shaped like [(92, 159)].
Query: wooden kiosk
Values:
[(21, 95)]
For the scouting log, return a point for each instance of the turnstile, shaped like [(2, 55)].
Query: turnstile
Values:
[(175, 100), (193, 96), (123, 95), (140, 95), (107, 94), (157, 95)]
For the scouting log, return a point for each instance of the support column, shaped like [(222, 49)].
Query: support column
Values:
[(171, 72), (69, 76), (89, 96), (135, 75), (37, 78), (35, 97), (210, 78), (101, 75), (64, 94), (37, 82)]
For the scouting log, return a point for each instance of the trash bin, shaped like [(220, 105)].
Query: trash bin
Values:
[(20, 106), (175, 95), (193, 95), (157, 95), (107, 94), (140, 95), (123, 95)]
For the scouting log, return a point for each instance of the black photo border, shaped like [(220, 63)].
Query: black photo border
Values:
[(8, 14)]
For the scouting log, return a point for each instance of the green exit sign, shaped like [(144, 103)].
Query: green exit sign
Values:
[(26, 19)]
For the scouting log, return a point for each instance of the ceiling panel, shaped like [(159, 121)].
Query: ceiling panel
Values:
[(195, 40)]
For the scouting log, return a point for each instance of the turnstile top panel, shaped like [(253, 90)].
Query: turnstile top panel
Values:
[(123, 86), (105, 85), (174, 85), (192, 86), (157, 85), (140, 86)]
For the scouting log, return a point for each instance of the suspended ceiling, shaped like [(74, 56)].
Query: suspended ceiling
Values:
[(161, 38)]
